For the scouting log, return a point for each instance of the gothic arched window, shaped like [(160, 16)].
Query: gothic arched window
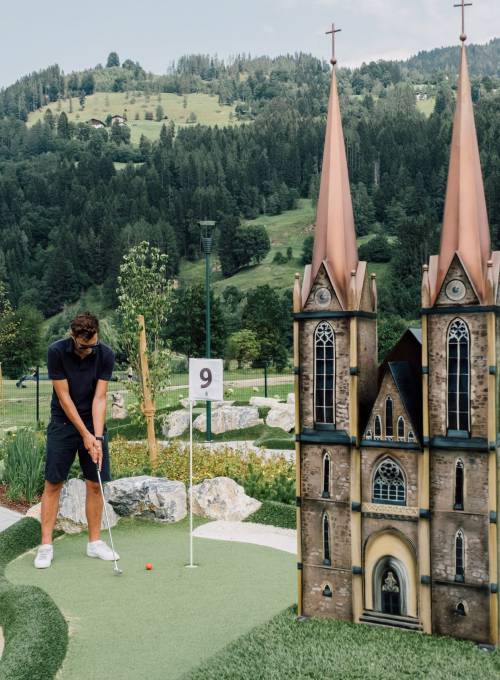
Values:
[(459, 485), (389, 483), (377, 427), (458, 376), (327, 590), (326, 475), (388, 418), (327, 558), (401, 428), (459, 556), (324, 374)]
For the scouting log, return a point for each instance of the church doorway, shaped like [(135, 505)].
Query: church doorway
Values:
[(390, 586), (391, 593)]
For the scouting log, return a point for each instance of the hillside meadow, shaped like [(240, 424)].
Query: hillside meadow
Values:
[(177, 108)]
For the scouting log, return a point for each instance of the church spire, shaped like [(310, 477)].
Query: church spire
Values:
[(465, 224), (335, 237)]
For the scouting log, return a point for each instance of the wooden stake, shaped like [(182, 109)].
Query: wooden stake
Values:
[(148, 406)]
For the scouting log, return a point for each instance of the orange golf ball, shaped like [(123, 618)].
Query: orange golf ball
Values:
[(149, 566)]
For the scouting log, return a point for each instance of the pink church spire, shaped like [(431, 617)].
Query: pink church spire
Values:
[(335, 236), (465, 224)]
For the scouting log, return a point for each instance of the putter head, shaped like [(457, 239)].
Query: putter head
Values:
[(117, 570)]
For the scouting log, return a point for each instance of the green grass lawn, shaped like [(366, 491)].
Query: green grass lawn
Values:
[(160, 624), (206, 108), (324, 649), (288, 229)]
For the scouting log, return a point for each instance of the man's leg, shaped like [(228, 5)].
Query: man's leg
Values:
[(50, 506), (93, 509)]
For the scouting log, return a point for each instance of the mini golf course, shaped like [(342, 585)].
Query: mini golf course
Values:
[(162, 623)]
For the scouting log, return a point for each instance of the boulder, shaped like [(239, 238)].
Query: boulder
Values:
[(263, 401), (290, 398), (222, 498), (155, 498), (226, 418), (175, 424), (118, 408), (282, 416), (71, 516), (185, 403)]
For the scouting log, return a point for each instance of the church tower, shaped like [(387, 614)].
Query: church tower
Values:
[(335, 341), (460, 361)]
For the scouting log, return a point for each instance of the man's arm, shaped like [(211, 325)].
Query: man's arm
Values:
[(99, 407), (61, 389)]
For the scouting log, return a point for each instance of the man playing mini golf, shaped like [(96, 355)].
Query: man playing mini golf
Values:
[(80, 367)]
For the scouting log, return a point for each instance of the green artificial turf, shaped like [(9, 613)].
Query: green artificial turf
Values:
[(160, 624), (285, 649), (36, 634)]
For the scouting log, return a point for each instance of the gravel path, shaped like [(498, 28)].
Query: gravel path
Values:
[(248, 532)]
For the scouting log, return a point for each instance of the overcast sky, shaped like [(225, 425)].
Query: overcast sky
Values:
[(34, 34)]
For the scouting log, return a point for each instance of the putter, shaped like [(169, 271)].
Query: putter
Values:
[(116, 569)]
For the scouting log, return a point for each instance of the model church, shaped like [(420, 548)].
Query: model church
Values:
[(397, 464)]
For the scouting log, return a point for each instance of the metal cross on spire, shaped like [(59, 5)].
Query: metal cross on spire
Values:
[(463, 5), (333, 32)]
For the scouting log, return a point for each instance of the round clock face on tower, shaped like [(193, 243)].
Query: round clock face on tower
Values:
[(322, 297), (455, 290)]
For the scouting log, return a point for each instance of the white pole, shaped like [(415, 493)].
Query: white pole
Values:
[(190, 483)]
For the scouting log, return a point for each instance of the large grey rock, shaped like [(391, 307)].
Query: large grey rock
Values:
[(227, 418), (290, 398), (222, 498), (263, 401), (282, 416), (71, 517), (118, 408), (175, 424), (150, 497)]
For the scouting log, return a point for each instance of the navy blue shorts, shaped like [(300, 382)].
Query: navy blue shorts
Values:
[(63, 443)]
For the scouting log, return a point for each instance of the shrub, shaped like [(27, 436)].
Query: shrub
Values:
[(275, 514), (24, 465), (264, 479)]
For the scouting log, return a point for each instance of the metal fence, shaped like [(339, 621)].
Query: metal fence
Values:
[(26, 402)]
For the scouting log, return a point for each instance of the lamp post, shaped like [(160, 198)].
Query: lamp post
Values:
[(207, 227)]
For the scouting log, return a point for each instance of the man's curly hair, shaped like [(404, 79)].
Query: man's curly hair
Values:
[(85, 325)]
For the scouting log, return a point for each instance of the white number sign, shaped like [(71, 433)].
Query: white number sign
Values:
[(206, 379)]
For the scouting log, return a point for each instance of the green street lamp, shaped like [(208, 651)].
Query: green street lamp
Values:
[(207, 227)]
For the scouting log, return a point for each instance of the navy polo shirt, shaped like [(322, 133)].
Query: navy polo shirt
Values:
[(82, 374)]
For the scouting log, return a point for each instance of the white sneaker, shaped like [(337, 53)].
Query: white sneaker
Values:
[(101, 550), (44, 556)]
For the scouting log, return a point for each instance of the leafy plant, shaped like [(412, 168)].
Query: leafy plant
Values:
[(24, 465), (143, 288)]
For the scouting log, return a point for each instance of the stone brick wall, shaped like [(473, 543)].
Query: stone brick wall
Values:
[(438, 337), (340, 533), (312, 471), (444, 527), (473, 626), (315, 604), (442, 480)]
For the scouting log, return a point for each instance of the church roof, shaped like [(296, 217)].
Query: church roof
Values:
[(335, 236), (465, 224)]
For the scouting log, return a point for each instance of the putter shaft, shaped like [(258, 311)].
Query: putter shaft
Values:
[(116, 568)]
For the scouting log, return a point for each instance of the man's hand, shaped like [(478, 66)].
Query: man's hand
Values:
[(94, 447)]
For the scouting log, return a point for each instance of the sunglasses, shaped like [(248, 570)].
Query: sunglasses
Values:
[(80, 346)]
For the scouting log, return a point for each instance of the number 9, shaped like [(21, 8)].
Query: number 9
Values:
[(206, 377)]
